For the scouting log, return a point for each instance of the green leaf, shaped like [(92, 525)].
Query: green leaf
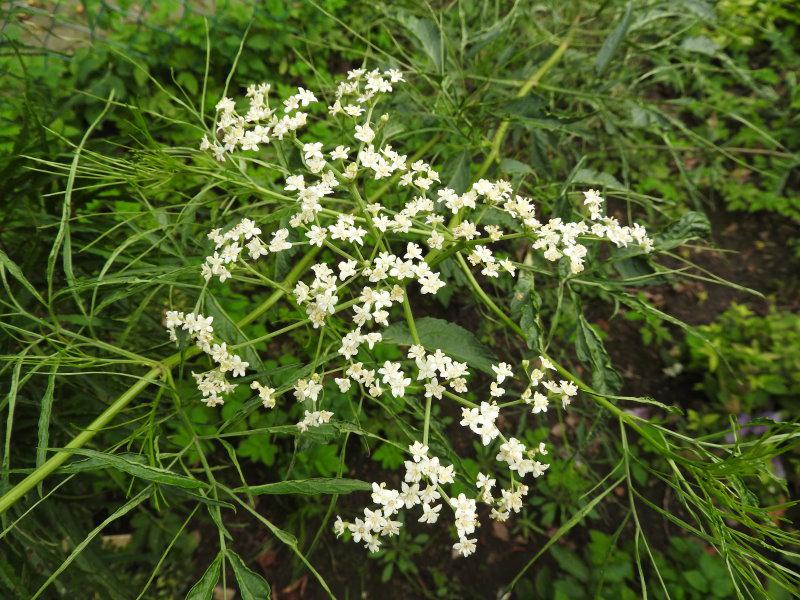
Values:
[(531, 106), (570, 562), (590, 349), (229, 332), (127, 464), (204, 588), (696, 580), (594, 177), (43, 435), (612, 42), (515, 167), (427, 32), (525, 305), (16, 273), (452, 339), (691, 225), (251, 585), (390, 456), (458, 168), (700, 44), (309, 487)]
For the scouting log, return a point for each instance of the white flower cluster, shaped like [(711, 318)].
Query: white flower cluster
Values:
[(424, 476), (212, 384), (371, 276), (259, 124), (229, 246), (540, 402), (422, 485)]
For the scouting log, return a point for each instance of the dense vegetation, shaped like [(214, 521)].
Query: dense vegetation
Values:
[(673, 473)]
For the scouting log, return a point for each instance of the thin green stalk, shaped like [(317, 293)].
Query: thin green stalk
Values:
[(533, 81), (153, 375), (412, 327)]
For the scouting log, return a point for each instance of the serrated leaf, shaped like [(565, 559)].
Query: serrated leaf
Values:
[(531, 106), (515, 167), (309, 487), (204, 588), (126, 464), (589, 348), (638, 269), (43, 432), (252, 586), (570, 562), (612, 42), (452, 339)]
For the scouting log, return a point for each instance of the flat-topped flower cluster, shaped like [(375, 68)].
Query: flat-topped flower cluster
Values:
[(374, 255)]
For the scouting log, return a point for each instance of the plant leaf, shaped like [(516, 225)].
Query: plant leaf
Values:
[(126, 464), (458, 168), (309, 487), (16, 273), (43, 435), (204, 588), (590, 349), (691, 225), (452, 339), (252, 586), (612, 42), (427, 32), (525, 304), (570, 562)]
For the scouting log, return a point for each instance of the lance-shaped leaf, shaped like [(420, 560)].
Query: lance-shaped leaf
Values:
[(590, 350), (309, 487)]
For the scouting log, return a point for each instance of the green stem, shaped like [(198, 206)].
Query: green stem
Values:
[(80, 440), (533, 81), (412, 327)]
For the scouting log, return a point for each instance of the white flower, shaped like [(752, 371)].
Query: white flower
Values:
[(339, 526), (594, 201), (265, 393), (430, 514), (359, 530), (316, 235), (434, 389), (546, 364), (540, 403), (364, 133), (340, 153), (465, 546), (502, 371), (418, 451)]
